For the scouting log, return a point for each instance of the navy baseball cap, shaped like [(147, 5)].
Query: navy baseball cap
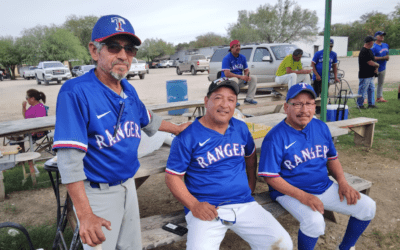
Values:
[(369, 39), (113, 25), (331, 41), (223, 82), (298, 88), (380, 33)]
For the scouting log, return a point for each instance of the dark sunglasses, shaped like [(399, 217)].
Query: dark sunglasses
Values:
[(115, 48)]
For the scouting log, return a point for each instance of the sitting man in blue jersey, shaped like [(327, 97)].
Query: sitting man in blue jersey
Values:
[(294, 159), (98, 130), (216, 155), (317, 67), (234, 66)]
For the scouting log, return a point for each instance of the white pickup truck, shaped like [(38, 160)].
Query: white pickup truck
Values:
[(137, 68), (29, 73), (51, 71)]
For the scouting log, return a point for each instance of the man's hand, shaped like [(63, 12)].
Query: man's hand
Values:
[(90, 229), (204, 211), (246, 78), (337, 79), (387, 57), (24, 104), (345, 190), (182, 127), (313, 202), (308, 71), (317, 77)]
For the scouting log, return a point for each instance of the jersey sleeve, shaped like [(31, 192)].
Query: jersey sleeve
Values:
[(226, 64), (315, 58), (335, 61), (71, 122), (270, 158), (179, 157)]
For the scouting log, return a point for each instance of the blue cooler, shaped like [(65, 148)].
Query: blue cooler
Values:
[(331, 111), (177, 92)]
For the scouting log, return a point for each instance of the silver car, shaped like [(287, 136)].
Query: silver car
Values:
[(263, 60), (84, 69)]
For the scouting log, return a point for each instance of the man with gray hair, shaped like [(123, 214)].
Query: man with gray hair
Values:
[(291, 71), (98, 130)]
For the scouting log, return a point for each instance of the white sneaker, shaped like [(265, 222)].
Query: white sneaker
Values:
[(351, 248)]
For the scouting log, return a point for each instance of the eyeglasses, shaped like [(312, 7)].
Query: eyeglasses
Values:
[(300, 105), (115, 48), (226, 222)]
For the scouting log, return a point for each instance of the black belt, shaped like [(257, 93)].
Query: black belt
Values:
[(97, 185)]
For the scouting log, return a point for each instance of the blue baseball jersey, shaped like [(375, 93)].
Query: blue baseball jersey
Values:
[(318, 58), (234, 64), (380, 51), (299, 157), (213, 164), (86, 116)]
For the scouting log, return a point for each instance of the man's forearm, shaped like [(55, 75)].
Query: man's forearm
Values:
[(334, 67), (336, 169), (314, 69), (78, 195), (180, 191), (284, 187), (251, 170), (229, 74)]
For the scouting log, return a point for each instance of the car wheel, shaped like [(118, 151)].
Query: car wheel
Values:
[(178, 71), (45, 81), (128, 77), (59, 82), (37, 80), (193, 71), (1, 78), (167, 66), (142, 76)]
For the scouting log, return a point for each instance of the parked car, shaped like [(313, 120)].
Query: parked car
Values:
[(192, 64), (74, 70), (166, 64), (263, 60), (146, 65), (83, 69), (51, 71), (137, 68), (29, 73)]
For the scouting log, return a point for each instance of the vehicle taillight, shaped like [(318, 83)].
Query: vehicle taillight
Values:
[(198, 63)]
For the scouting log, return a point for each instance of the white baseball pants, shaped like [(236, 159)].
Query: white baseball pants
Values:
[(253, 223), (312, 222), (293, 78)]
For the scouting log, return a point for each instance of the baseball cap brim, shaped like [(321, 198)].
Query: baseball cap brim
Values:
[(136, 41)]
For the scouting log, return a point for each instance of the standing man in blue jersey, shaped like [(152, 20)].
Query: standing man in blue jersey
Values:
[(317, 67), (217, 157), (98, 130), (296, 156), (234, 66), (381, 53)]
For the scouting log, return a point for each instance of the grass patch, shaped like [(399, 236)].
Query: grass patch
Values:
[(42, 236), (13, 179), (389, 240), (387, 129)]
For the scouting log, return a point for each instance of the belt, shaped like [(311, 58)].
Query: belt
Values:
[(97, 185)]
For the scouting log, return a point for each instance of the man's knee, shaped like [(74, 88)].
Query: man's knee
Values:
[(314, 226), (368, 209)]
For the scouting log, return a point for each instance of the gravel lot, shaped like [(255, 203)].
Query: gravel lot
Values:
[(152, 90)]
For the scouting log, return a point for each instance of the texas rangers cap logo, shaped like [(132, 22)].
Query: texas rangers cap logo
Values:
[(303, 84), (119, 21)]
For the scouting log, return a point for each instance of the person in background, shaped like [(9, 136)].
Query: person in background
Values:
[(381, 53)]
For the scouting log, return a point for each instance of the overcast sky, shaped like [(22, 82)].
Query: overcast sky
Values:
[(174, 21)]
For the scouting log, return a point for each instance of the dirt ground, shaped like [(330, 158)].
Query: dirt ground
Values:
[(35, 207)]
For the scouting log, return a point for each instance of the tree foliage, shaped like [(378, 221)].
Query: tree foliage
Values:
[(81, 27), (210, 39), (9, 54), (283, 22), (152, 48)]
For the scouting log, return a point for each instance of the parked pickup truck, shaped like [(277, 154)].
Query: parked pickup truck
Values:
[(29, 73), (51, 71), (263, 60), (137, 68), (192, 64)]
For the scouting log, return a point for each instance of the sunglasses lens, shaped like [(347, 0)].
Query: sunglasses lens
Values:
[(130, 50), (114, 48)]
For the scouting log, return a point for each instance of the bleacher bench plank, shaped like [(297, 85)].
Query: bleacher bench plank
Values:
[(154, 236)]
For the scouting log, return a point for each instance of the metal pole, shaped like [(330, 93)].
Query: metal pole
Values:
[(325, 63)]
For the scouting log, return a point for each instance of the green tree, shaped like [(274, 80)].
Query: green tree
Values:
[(355, 32), (81, 27), (10, 55), (152, 48), (393, 29), (210, 39), (283, 22)]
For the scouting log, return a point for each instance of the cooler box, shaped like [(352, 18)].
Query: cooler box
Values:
[(331, 111), (177, 91)]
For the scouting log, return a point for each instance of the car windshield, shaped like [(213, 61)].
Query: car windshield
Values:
[(53, 65), (221, 53), (281, 51), (32, 68), (87, 67), (141, 61)]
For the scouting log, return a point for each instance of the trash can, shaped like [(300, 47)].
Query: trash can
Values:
[(177, 92)]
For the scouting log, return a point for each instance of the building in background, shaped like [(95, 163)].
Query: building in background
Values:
[(340, 45)]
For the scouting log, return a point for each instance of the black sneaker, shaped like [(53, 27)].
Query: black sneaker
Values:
[(361, 107), (372, 106)]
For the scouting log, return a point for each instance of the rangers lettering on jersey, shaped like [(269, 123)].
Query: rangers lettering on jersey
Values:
[(306, 155), (220, 152), (129, 129)]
